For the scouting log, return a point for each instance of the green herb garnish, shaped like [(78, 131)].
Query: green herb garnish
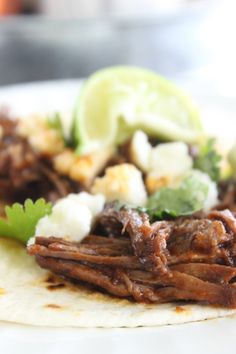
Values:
[(21, 219), (55, 122), (170, 202), (208, 160)]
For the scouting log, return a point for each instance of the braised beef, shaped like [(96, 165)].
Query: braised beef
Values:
[(24, 173), (185, 259), (227, 195)]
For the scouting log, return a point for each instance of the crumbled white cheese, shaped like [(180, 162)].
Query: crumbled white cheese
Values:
[(95, 203), (170, 159), (164, 164), (212, 195), (140, 150), (122, 182), (72, 217)]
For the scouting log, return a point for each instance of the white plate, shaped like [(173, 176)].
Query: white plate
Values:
[(214, 336)]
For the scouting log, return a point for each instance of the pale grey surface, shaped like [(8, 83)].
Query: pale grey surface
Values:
[(40, 48)]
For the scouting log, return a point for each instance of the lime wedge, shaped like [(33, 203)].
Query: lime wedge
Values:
[(116, 101)]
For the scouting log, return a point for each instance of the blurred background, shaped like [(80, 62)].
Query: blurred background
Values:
[(182, 39)]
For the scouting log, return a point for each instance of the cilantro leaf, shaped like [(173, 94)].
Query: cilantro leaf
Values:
[(55, 122), (22, 219), (169, 202), (208, 160)]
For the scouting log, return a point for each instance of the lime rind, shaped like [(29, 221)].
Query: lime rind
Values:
[(116, 101)]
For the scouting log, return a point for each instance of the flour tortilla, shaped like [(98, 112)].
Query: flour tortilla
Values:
[(31, 295)]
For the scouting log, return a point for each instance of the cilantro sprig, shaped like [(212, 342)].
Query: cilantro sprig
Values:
[(55, 122), (185, 200), (21, 220), (173, 202), (208, 160)]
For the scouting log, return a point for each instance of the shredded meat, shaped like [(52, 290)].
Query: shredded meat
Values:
[(185, 259), (24, 172), (227, 191)]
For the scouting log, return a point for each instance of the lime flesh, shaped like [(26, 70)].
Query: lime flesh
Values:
[(116, 101)]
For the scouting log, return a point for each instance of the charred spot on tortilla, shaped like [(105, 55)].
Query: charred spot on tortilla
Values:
[(2, 291), (53, 306), (51, 279), (181, 309), (56, 286), (54, 283)]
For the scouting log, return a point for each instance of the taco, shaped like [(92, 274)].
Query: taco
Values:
[(134, 229)]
